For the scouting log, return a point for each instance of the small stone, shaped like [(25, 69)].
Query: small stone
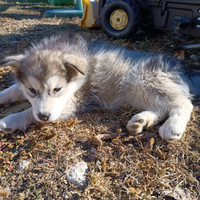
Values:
[(194, 57), (77, 174), (65, 195), (196, 63), (22, 165), (14, 42), (180, 58)]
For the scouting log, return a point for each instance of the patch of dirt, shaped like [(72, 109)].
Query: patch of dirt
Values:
[(120, 167)]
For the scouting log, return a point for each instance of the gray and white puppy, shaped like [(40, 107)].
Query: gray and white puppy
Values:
[(63, 74)]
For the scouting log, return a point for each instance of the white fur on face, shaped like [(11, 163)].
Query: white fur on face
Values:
[(46, 100)]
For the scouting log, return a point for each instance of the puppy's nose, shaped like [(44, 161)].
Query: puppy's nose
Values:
[(44, 116)]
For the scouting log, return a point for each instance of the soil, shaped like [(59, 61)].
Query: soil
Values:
[(120, 167)]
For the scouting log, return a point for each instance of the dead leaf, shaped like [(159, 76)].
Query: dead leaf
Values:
[(180, 53)]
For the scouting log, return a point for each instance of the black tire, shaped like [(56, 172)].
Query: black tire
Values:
[(132, 18)]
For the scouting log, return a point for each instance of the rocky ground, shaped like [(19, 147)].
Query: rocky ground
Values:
[(37, 163)]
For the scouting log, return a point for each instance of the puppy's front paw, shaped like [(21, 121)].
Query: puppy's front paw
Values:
[(16, 121), (6, 126), (171, 130), (13, 122)]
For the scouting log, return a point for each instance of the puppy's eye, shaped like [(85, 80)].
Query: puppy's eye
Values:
[(32, 90), (55, 90)]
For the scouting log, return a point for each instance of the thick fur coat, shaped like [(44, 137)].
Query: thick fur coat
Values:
[(62, 75)]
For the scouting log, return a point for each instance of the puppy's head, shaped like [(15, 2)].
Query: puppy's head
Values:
[(48, 78)]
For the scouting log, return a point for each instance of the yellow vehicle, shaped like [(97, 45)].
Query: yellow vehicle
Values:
[(121, 18)]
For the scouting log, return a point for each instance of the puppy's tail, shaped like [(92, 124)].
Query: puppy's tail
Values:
[(195, 86)]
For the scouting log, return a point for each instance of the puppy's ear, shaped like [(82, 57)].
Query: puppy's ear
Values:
[(12, 61), (75, 63)]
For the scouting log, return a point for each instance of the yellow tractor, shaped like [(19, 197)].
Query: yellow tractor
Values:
[(122, 18)]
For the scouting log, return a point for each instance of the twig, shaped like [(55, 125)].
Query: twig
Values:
[(25, 134), (178, 185), (60, 179), (151, 156), (167, 175), (48, 162), (7, 162), (2, 147), (139, 142), (24, 131), (98, 124)]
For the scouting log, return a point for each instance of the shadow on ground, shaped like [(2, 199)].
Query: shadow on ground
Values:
[(26, 10), (25, 36)]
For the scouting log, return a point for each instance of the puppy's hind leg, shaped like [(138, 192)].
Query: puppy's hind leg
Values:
[(176, 106), (11, 94), (179, 115)]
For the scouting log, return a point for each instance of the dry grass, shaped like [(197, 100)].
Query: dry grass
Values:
[(123, 167), (120, 166)]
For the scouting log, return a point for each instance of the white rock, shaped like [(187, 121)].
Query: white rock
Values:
[(14, 42), (180, 58), (65, 196), (77, 174), (196, 63), (194, 57), (22, 165)]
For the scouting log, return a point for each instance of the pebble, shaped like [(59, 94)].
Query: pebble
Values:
[(22, 165), (180, 58), (77, 174), (14, 42), (65, 196), (194, 57), (196, 63)]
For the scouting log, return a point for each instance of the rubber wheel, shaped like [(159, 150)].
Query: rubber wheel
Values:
[(120, 18)]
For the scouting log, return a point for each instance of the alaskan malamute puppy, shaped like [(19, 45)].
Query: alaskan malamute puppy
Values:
[(63, 74)]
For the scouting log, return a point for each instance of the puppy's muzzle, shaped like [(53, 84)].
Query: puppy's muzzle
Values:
[(44, 116)]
